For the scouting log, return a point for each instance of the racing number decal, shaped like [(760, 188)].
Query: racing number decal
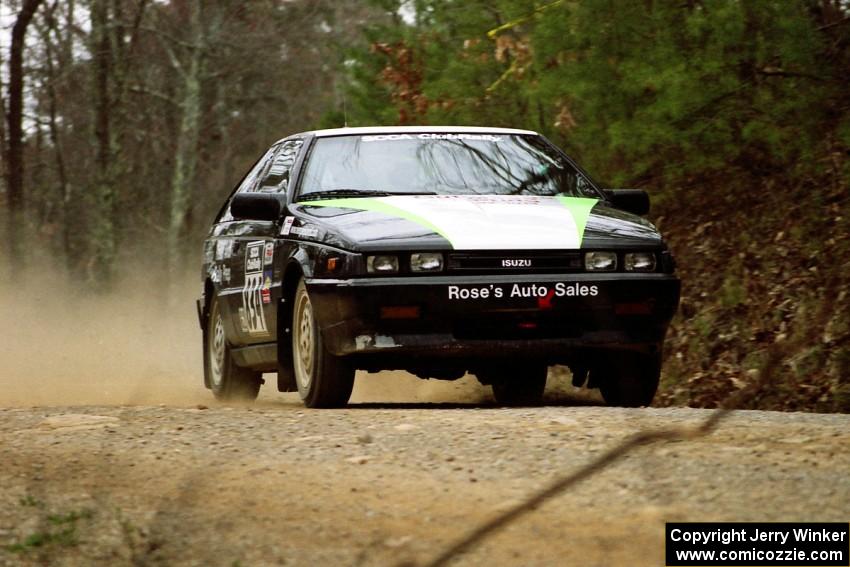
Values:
[(252, 301), (252, 292)]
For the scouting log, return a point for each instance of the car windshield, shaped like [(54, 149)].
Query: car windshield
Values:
[(439, 164)]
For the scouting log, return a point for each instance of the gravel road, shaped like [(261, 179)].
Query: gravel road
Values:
[(391, 483)]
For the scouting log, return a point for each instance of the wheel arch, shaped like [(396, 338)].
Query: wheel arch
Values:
[(285, 372), (209, 292)]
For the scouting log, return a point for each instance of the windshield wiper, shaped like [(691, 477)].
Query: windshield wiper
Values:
[(330, 193)]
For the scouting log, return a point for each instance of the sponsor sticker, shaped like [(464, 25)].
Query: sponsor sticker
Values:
[(223, 249), (266, 291), (544, 293), (287, 226), (252, 295), (254, 257), (306, 232), (268, 253), (431, 136)]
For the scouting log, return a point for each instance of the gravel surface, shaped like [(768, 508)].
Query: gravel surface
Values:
[(391, 484)]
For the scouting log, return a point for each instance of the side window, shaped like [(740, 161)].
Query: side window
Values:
[(275, 176), (249, 181), (585, 188)]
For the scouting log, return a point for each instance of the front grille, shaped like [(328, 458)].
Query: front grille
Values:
[(515, 262)]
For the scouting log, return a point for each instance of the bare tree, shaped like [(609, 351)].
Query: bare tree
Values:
[(192, 74), (141, 104), (47, 31), (103, 227), (15, 132)]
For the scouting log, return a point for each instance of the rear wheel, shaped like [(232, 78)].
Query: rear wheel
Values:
[(629, 380), (323, 380), (516, 384), (227, 381)]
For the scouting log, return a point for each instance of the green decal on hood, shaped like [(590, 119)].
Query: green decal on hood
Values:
[(486, 222), (579, 208), (378, 205)]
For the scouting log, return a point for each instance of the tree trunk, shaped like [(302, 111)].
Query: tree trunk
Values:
[(15, 132), (185, 159), (102, 261), (5, 215), (64, 196)]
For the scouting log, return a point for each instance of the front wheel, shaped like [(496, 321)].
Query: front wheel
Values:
[(323, 380), (629, 380), (227, 381)]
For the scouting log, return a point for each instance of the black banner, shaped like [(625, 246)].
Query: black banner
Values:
[(743, 544)]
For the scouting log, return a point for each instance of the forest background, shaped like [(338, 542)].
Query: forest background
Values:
[(127, 123)]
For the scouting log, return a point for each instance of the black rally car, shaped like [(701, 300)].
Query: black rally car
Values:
[(436, 250)]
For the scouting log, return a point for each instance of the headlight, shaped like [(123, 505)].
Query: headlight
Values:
[(600, 261), (426, 262), (382, 264), (640, 262)]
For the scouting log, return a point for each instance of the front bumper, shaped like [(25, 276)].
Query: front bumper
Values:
[(533, 315)]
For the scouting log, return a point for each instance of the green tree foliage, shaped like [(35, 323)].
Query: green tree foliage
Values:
[(640, 91)]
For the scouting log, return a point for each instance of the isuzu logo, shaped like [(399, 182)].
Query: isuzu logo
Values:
[(516, 263)]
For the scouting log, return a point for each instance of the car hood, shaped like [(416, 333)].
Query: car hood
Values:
[(471, 222)]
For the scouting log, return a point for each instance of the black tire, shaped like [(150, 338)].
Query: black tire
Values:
[(518, 384), (629, 380), (227, 381), (323, 380)]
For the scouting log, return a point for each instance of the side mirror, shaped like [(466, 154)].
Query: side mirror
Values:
[(634, 201), (256, 206)]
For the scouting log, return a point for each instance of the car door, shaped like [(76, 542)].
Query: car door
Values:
[(258, 248), (229, 244), (275, 180)]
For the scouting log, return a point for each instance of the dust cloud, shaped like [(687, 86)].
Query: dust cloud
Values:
[(62, 346), (401, 387)]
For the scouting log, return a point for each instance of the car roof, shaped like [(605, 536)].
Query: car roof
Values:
[(372, 130)]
